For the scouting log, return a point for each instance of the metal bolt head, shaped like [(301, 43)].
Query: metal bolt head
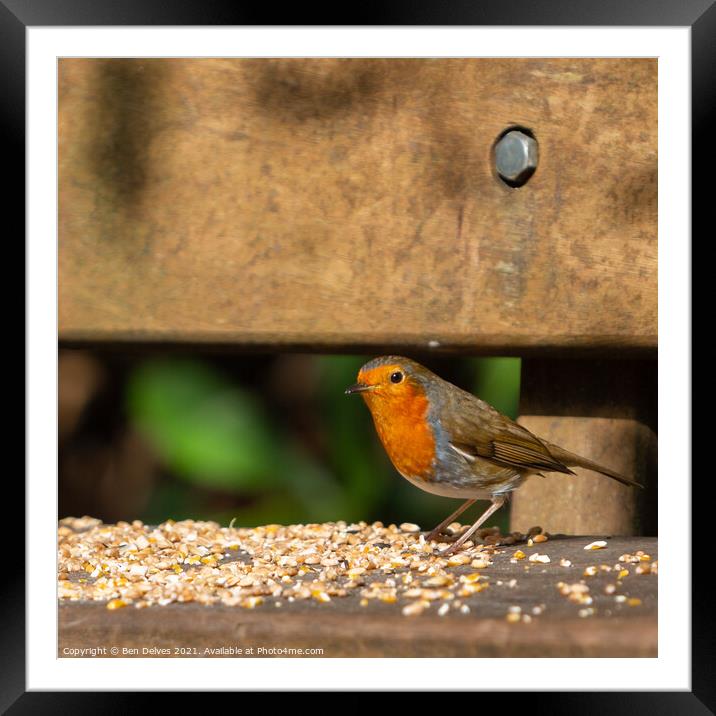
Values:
[(516, 157)]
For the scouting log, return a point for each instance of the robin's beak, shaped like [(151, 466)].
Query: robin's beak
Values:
[(358, 388)]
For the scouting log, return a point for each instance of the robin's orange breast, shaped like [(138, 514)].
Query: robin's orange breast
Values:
[(405, 432)]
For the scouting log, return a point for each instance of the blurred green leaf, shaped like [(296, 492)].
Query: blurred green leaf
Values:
[(201, 426), (497, 381)]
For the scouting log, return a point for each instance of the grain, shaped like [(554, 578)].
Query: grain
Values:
[(599, 544)]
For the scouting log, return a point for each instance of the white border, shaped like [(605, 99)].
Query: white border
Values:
[(671, 670)]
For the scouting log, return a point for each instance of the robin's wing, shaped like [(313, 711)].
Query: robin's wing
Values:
[(476, 429)]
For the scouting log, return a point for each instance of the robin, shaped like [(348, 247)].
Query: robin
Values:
[(449, 442)]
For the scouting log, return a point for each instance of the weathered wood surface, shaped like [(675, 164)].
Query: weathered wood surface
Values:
[(587, 502), (605, 411), (344, 628), (353, 203)]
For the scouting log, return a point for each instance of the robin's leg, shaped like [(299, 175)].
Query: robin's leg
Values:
[(497, 502), (450, 519)]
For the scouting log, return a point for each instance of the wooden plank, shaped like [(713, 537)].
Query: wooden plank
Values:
[(330, 203), (184, 630)]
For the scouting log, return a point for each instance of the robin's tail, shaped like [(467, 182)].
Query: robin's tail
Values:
[(572, 460)]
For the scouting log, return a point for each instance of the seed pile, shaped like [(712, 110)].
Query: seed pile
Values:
[(203, 562), (134, 564)]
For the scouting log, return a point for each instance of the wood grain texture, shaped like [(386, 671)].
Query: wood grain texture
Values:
[(199, 630), (605, 410), (334, 203), (588, 503)]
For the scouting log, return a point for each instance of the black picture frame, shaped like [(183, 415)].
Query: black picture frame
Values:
[(699, 15)]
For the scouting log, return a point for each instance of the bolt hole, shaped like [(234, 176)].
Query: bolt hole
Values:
[(515, 158), (515, 128)]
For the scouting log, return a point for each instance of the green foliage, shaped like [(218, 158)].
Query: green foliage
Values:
[(214, 435), (497, 381), (202, 427)]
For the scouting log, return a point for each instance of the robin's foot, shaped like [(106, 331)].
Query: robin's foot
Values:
[(487, 541), (499, 540), (488, 537), (439, 536), (455, 548), (435, 535)]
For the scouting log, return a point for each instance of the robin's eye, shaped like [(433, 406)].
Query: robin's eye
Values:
[(396, 377)]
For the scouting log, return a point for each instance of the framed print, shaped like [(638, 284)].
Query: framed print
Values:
[(233, 220)]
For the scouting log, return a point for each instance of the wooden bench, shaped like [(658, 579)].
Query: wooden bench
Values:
[(354, 205)]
